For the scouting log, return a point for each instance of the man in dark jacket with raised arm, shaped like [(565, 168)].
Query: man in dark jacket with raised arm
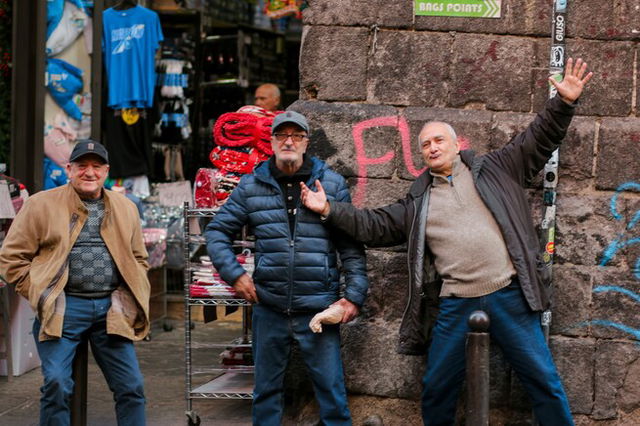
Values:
[(472, 245), (296, 273)]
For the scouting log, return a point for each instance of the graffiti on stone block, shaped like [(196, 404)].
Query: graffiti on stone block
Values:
[(363, 162), (629, 237)]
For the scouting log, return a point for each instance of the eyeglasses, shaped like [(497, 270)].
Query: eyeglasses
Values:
[(296, 137)]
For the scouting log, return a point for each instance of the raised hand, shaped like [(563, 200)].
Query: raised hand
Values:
[(571, 86), (314, 201), (245, 288)]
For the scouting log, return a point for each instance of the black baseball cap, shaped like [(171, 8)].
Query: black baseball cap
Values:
[(88, 146)]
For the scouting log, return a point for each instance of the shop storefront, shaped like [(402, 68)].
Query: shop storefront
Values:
[(154, 104)]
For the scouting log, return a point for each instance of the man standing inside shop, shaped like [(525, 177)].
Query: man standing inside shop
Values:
[(296, 273), (268, 97), (471, 246), (76, 253)]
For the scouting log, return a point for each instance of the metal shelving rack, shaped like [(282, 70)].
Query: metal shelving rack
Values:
[(230, 382)]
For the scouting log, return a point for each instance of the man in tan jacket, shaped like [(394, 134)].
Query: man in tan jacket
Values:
[(76, 253)]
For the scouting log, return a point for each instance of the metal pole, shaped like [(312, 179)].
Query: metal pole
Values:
[(96, 72), (79, 397), (477, 355)]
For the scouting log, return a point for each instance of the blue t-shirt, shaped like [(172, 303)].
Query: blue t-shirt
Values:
[(130, 39)]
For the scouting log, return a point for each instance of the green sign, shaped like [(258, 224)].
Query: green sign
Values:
[(459, 8)]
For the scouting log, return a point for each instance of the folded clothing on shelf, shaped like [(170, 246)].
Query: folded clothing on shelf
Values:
[(238, 355)]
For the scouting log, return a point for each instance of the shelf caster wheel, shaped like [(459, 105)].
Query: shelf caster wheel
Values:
[(147, 338), (167, 327), (194, 419), (192, 325)]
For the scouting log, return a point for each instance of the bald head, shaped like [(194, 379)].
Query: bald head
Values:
[(268, 97), (446, 126), (439, 146)]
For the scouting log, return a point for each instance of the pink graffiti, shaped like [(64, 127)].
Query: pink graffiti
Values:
[(399, 123)]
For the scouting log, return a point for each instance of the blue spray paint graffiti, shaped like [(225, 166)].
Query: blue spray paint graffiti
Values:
[(610, 252)]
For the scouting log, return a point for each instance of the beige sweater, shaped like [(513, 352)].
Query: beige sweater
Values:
[(464, 238)]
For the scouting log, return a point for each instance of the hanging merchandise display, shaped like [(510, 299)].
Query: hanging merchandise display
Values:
[(243, 141), (130, 39), (128, 139), (55, 12), (68, 26), (58, 137), (63, 81), (276, 9), (54, 175)]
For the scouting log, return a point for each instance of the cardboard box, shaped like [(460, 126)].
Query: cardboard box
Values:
[(23, 346)]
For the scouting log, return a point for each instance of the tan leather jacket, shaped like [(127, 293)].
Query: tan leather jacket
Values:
[(34, 258)]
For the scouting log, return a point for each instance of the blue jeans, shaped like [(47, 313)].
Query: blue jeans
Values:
[(273, 334), (86, 318), (516, 329)]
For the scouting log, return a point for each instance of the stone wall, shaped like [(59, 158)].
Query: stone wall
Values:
[(372, 74)]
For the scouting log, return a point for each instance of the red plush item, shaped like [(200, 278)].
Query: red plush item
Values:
[(227, 182), (244, 129), (236, 160), (205, 188)]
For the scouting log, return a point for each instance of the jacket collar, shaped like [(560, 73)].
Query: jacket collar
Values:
[(468, 158), (263, 174), (78, 205)]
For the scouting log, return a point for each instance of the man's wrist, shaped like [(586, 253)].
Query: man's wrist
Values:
[(326, 210)]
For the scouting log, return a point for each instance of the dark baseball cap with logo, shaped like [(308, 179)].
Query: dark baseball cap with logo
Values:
[(290, 117), (86, 147)]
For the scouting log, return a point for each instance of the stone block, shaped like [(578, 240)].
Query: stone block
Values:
[(610, 90), (615, 306), (409, 68), (373, 192), (571, 300), (614, 384), (396, 14), (499, 378), (354, 139), (616, 20), (584, 228), (511, 11), (490, 70), (577, 150), (392, 411), (472, 127), (618, 147), (372, 365), (333, 63), (575, 360), (388, 285)]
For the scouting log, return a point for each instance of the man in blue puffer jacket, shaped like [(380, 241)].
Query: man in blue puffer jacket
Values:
[(296, 273)]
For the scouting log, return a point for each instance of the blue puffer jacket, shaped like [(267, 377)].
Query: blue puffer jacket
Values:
[(293, 273)]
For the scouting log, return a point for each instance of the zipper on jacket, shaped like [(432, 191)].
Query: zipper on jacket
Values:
[(292, 239), (42, 300), (413, 222)]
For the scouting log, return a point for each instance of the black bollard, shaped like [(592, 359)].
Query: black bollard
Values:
[(477, 355), (79, 397)]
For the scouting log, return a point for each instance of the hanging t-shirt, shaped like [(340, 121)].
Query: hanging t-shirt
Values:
[(130, 40)]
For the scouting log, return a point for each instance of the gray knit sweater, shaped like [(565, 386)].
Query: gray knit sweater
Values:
[(92, 272), (468, 247)]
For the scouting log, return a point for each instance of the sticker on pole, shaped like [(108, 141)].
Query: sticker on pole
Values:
[(459, 8)]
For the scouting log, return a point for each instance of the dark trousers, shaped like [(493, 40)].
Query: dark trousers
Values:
[(516, 329), (273, 334), (114, 354)]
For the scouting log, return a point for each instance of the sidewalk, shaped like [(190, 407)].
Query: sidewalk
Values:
[(162, 363)]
